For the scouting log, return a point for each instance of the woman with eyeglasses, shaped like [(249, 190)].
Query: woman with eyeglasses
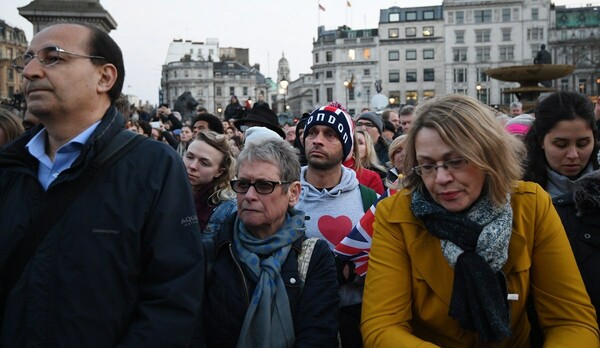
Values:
[(458, 251), (209, 165), (268, 285)]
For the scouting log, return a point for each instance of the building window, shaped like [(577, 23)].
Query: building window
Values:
[(427, 31), (174, 73), (563, 35), (394, 17), (367, 72), (393, 55), (410, 32), (535, 34), (460, 75), (428, 14), (393, 33), (428, 75), (351, 95), (459, 54), (411, 76), (328, 56), (481, 75), (329, 94), (460, 17), (483, 16), (428, 53), (317, 99), (185, 73), (367, 53), (218, 92), (411, 54), (329, 74), (535, 14), (411, 16), (411, 97), (317, 57), (482, 35), (507, 53), (460, 36), (245, 91), (11, 74), (351, 54), (394, 76), (482, 54), (317, 76), (231, 90), (506, 34), (506, 14)]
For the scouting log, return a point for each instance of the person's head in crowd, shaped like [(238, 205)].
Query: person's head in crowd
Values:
[(290, 134), (562, 140), (134, 126), (272, 166), (478, 155), (207, 121), (236, 143), (229, 132), (388, 131), (393, 117), (396, 153), (519, 125), (516, 108), (328, 137), (406, 117), (372, 123), (260, 116), (186, 134), (364, 151), (597, 108), (201, 110), (10, 127), (209, 163), (82, 87), (123, 106), (146, 128), (225, 124)]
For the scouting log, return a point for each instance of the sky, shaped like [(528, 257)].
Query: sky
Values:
[(268, 28)]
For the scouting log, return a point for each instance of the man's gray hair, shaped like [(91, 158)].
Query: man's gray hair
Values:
[(407, 110), (516, 104), (276, 151)]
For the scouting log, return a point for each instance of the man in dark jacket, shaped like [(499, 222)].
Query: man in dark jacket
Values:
[(122, 265)]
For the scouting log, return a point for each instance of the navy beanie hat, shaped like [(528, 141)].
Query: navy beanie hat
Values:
[(337, 119)]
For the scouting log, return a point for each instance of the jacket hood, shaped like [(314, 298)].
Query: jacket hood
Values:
[(348, 182)]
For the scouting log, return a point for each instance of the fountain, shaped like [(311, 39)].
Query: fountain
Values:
[(529, 78)]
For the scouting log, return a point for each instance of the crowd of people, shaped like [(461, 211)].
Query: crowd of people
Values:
[(443, 224)]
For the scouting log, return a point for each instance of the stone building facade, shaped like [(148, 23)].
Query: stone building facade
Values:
[(13, 43)]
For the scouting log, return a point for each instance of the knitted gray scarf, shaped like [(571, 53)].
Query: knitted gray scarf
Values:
[(475, 244)]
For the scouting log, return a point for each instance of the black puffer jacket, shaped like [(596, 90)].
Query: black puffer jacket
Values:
[(314, 307), (121, 267), (580, 215)]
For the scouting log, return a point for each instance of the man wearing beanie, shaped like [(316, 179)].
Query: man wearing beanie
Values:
[(373, 124), (331, 198)]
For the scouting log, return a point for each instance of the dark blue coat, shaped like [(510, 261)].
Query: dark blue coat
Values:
[(122, 267), (228, 291)]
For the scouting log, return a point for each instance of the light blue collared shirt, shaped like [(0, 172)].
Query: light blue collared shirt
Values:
[(64, 158)]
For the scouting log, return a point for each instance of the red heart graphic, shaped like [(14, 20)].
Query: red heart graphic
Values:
[(334, 229)]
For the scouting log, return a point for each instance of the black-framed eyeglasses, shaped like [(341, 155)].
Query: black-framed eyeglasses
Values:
[(449, 165), (263, 187), (47, 56), (366, 124)]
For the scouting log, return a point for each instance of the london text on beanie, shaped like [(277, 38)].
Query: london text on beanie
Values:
[(335, 118)]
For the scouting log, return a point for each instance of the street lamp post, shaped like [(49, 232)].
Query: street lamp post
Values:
[(283, 85), (346, 84), (478, 88)]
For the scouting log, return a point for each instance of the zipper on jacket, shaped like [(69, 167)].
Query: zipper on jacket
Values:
[(243, 277)]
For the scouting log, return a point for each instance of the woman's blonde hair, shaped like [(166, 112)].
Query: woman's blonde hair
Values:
[(222, 187), (370, 161), (469, 127)]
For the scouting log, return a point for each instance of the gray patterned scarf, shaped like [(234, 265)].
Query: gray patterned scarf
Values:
[(475, 244), (268, 321)]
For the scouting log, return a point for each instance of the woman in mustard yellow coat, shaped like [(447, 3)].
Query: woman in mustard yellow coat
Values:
[(456, 254)]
